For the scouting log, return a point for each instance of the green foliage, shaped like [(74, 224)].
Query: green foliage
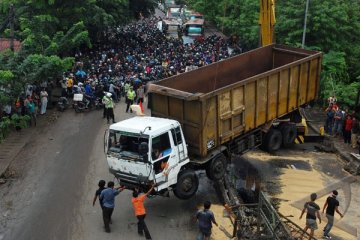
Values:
[(5, 124), (333, 27), (37, 67), (16, 121)]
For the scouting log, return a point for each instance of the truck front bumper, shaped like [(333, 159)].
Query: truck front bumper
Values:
[(131, 181)]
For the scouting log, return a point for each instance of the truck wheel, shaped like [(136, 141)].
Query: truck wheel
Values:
[(187, 184), (273, 140), (216, 168), (288, 132)]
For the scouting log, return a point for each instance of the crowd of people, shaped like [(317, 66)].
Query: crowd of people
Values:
[(342, 123), (130, 57)]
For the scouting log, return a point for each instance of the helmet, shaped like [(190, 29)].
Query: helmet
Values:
[(108, 94)]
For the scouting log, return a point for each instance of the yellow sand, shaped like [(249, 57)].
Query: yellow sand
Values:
[(297, 184)]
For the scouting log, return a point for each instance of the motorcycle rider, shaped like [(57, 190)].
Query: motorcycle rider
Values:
[(89, 95), (81, 90)]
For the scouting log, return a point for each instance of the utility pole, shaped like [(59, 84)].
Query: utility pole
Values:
[(11, 24), (305, 20)]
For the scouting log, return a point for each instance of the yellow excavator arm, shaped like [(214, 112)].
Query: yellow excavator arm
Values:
[(267, 21)]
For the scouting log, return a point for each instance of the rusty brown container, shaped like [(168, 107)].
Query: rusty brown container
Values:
[(221, 101)]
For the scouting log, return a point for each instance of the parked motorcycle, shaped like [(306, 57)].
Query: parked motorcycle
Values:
[(62, 104)]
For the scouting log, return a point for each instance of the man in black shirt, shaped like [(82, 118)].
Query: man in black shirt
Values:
[(312, 211), (98, 192), (331, 205)]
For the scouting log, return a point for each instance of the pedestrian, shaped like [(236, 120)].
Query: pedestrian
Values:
[(205, 218), (338, 122), (101, 185), (130, 98), (107, 197), (354, 132), (140, 94), (109, 107), (44, 100), (69, 85), (331, 205), (140, 212), (347, 129), (312, 211), (31, 109), (329, 120)]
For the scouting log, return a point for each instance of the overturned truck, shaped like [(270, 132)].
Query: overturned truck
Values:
[(201, 117)]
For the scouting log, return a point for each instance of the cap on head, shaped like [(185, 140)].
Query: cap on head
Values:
[(313, 196), (108, 94)]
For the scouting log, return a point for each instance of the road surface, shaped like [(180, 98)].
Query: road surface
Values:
[(57, 175)]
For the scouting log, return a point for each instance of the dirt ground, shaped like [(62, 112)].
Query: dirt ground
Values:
[(290, 176)]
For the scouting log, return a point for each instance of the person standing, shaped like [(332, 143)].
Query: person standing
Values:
[(69, 85), (205, 218), (107, 197), (31, 109), (312, 211), (140, 212), (109, 107), (354, 132), (44, 100), (130, 98), (331, 205), (347, 129), (140, 94), (101, 185)]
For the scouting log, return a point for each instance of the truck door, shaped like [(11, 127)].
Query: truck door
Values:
[(179, 143), (163, 157)]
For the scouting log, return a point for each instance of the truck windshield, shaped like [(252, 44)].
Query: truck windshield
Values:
[(126, 145)]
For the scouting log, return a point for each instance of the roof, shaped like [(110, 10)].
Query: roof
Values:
[(138, 124), (196, 14), (5, 44), (171, 21), (196, 21)]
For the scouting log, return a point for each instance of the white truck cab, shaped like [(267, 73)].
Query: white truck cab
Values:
[(142, 151)]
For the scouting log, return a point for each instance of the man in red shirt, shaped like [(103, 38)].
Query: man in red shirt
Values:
[(140, 212), (348, 127)]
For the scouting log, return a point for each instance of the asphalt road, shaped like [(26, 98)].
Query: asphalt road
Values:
[(57, 175)]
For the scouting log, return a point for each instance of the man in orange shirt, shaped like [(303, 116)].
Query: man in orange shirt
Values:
[(140, 212)]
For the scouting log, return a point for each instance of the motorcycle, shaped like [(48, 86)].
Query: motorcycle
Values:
[(98, 104), (83, 102), (79, 102), (62, 104)]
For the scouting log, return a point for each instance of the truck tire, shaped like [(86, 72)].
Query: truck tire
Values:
[(215, 170), (289, 133), (273, 140), (187, 184)]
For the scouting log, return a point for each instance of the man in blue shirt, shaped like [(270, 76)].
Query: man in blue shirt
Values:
[(206, 219), (107, 197)]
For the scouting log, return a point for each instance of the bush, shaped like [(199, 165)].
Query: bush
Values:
[(14, 122)]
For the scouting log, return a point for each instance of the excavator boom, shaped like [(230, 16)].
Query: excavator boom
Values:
[(267, 21)]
